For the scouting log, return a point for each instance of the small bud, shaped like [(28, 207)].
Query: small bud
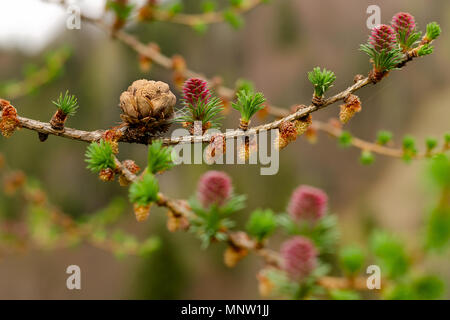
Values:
[(37, 197), (178, 63), (58, 120), (123, 181), (106, 175), (145, 63), (178, 79), (265, 286), (367, 158), (243, 124), (226, 104), (175, 222), (299, 257), (146, 13), (311, 135), (303, 124), (263, 113), (287, 134), (233, 255), (350, 108), (4, 103), (142, 212), (9, 122), (13, 181), (317, 101), (248, 148), (307, 203), (214, 187), (335, 123), (216, 148), (131, 166), (112, 136)]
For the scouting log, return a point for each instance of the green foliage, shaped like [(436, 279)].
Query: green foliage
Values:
[(427, 287), (236, 3), (438, 230), (385, 60), (208, 6), (351, 259), (43, 232), (108, 215), (261, 224), (248, 103), (144, 190), (148, 246), (431, 143), (447, 138), (322, 80), (100, 156), (121, 10), (245, 85), (67, 104), (384, 137), (367, 158), (439, 170), (200, 26), (425, 50), (209, 224), (159, 157), (283, 285), (175, 8), (206, 112), (409, 148), (345, 139), (337, 294), (409, 41), (35, 78), (233, 19), (324, 232), (433, 31), (390, 254)]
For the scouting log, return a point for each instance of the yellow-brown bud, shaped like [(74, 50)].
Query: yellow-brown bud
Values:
[(106, 175), (13, 181), (303, 124), (175, 223), (350, 108), (142, 212), (287, 134), (9, 122), (233, 255), (265, 286)]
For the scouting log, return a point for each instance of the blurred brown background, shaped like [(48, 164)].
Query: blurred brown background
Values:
[(275, 49)]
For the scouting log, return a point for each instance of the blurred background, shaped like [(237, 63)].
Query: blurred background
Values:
[(275, 49)]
